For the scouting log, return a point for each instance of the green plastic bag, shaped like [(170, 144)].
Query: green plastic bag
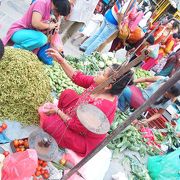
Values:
[(166, 167)]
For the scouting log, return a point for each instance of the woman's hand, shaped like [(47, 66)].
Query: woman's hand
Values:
[(53, 25), (55, 54), (144, 121), (51, 111)]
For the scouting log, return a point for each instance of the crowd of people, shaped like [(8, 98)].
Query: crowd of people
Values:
[(129, 25)]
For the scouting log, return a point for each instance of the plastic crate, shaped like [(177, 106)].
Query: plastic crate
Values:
[(159, 123)]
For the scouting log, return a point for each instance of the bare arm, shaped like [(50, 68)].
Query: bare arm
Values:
[(68, 69), (149, 79), (38, 24), (155, 116)]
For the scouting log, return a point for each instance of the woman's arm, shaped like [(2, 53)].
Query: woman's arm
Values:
[(149, 79), (38, 24), (56, 110), (68, 69), (154, 117)]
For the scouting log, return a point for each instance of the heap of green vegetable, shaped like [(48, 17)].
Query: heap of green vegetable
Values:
[(88, 64), (24, 86), (138, 169), (131, 139), (171, 139), (59, 80), (139, 73)]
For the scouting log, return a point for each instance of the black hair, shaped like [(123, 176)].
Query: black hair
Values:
[(176, 35), (174, 90), (175, 25), (169, 16), (121, 82), (150, 39), (145, 3), (63, 7), (1, 49)]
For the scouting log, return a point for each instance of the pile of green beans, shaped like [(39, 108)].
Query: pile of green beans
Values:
[(24, 86)]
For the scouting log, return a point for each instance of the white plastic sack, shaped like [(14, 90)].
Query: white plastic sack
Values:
[(83, 10)]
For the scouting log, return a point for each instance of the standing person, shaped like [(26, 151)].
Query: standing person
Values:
[(30, 31), (108, 27), (87, 30), (62, 122), (81, 13)]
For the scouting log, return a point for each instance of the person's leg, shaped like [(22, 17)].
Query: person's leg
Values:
[(108, 30), (109, 40), (28, 39), (71, 30), (91, 39)]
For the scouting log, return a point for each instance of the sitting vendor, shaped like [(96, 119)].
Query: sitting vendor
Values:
[(1, 49), (30, 32), (62, 122), (135, 97)]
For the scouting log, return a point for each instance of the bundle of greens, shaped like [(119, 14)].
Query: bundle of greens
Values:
[(131, 139), (24, 86)]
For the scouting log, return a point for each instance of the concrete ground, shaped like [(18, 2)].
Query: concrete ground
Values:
[(10, 11)]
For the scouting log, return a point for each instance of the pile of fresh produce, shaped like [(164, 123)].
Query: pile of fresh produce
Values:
[(140, 73), (138, 169), (24, 86), (59, 80), (120, 117), (90, 65), (131, 139), (171, 139)]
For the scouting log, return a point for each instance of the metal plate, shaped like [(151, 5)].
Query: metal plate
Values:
[(44, 153), (93, 118)]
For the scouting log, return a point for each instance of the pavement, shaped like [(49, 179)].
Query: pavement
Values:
[(10, 11)]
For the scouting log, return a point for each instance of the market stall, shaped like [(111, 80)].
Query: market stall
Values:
[(144, 141)]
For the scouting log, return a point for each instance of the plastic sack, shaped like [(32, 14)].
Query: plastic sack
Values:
[(56, 42), (154, 51), (165, 167), (124, 32), (20, 165), (43, 56)]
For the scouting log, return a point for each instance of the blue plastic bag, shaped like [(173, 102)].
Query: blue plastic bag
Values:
[(43, 56)]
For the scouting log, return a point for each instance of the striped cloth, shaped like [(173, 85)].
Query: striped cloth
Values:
[(111, 14)]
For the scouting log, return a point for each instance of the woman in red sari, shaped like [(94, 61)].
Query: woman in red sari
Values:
[(62, 122)]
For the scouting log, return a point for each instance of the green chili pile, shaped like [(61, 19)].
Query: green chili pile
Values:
[(24, 86)]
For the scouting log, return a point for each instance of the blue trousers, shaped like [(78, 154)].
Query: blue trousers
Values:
[(124, 99), (102, 34), (29, 39)]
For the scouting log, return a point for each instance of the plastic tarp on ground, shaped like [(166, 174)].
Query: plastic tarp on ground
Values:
[(165, 167)]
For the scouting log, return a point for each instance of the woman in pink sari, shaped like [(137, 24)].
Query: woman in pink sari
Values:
[(62, 122), (30, 31)]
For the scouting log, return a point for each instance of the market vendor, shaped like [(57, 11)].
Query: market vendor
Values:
[(62, 122), (135, 97), (1, 49), (30, 31)]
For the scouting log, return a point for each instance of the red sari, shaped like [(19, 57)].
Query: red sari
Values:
[(72, 134)]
